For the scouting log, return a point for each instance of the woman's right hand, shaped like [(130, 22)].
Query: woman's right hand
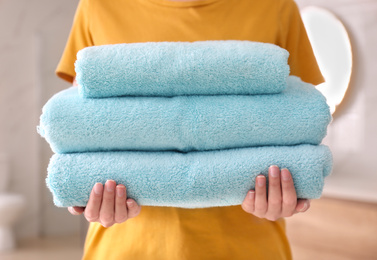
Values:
[(108, 205)]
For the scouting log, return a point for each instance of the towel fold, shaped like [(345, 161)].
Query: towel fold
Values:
[(185, 123), (188, 180), (181, 68)]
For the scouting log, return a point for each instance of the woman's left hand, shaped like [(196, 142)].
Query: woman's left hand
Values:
[(281, 200)]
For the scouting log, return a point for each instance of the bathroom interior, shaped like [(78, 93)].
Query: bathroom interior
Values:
[(340, 225)]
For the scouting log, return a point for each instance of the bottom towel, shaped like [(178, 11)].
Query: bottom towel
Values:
[(187, 180)]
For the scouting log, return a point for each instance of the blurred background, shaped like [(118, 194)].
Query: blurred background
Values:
[(342, 225)]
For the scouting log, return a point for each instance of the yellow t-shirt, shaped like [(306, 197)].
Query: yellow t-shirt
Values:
[(174, 233)]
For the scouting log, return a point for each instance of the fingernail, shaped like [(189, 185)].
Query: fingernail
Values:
[(120, 190), (110, 185), (285, 175), (261, 181), (73, 211), (98, 188), (130, 203), (304, 207), (274, 171), (251, 194)]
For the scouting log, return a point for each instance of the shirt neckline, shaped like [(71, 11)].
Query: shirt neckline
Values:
[(183, 3)]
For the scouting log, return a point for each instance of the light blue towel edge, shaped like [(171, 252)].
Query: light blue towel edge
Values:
[(325, 161)]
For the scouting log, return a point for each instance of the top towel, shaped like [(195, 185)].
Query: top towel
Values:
[(181, 68)]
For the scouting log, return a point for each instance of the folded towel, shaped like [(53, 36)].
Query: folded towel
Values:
[(181, 68), (188, 180), (185, 123)]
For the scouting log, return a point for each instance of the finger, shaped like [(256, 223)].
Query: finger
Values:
[(91, 212), (107, 208), (76, 210), (133, 208), (289, 193), (260, 197), (248, 203), (120, 204), (302, 205), (274, 194)]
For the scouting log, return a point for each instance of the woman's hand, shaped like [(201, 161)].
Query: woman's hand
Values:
[(108, 205), (281, 200)]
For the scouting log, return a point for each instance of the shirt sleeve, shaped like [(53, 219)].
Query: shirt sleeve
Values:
[(79, 38), (293, 37)]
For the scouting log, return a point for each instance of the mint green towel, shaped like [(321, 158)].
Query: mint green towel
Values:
[(187, 180), (185, 123), (181, 68)]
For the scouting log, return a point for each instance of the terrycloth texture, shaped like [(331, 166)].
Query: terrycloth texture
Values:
[(185, 123), (188, 180), (181, 68)]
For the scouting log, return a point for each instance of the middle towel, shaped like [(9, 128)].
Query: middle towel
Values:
[(297, 115)]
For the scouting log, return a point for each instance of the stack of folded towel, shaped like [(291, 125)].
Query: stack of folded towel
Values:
[(184, 124)]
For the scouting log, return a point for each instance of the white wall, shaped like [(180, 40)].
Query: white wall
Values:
[(353, 133), (32, 37)]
